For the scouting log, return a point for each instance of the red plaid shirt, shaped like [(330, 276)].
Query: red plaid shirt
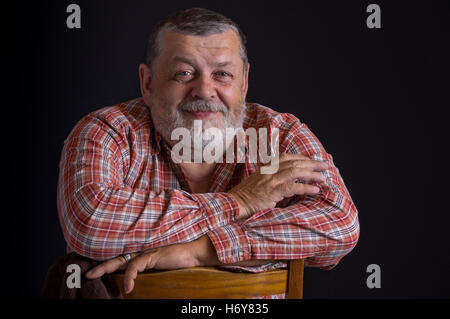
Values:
[(120, 192)]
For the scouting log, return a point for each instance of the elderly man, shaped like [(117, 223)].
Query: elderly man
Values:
[(124, 200)]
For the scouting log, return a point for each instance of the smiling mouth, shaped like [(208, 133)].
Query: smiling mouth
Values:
[(201, 114)]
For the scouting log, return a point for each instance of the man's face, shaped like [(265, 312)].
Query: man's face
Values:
[(196, 78)]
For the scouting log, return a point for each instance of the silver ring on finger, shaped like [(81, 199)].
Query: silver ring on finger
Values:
[(127, 257)]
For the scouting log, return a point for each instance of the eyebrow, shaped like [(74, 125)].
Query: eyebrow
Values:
[(193, 63)]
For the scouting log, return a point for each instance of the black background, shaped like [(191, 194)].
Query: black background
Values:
[(376, 98)]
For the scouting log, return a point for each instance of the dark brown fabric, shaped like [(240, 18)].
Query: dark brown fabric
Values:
[(55, 286)]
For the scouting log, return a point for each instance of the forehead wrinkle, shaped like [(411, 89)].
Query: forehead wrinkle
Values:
[(184, 60), (194, 63), (214, 50)]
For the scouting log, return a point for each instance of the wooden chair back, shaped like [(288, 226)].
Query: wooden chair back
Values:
[(216, 283)]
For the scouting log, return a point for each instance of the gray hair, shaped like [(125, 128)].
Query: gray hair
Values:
[(197, 22)]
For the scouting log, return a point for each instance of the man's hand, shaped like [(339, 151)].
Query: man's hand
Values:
[(199, 252), (263, 191), (196, 253)]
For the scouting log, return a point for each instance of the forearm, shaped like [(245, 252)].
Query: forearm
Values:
[(103, 222), (205, 255)]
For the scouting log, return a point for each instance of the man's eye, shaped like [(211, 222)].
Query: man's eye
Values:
[(184, 73), (223, 74), (183, 76)]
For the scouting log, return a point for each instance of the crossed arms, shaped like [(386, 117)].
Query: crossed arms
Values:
[(105, 213)]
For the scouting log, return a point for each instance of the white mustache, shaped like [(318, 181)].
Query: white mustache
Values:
[(202, 106)]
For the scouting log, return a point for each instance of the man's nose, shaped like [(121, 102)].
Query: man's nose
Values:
[(204, 88)]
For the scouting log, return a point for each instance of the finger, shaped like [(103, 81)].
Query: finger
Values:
[(95, 272), (292, 174), (130, 275), (106, 267), (291, 189), (305, 189), (134, 267), (125, 264), (292, 157), (314, 165)]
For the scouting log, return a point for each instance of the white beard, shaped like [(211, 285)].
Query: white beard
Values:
[(197, 142)]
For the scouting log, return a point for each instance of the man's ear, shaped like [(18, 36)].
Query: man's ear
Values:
[(245, 86), (145, 76)]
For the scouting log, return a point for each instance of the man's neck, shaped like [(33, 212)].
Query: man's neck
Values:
[(198, 175)]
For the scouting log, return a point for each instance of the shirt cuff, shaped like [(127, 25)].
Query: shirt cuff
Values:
[(219, 209), (231, 243)]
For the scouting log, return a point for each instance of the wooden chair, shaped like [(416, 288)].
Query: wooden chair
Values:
[(216, 283)]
